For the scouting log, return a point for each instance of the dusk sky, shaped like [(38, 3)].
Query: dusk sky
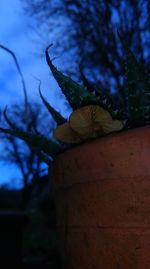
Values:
[(17, 34)]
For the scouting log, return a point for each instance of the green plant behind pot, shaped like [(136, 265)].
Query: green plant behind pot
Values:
[(135, 113), (137, 90)]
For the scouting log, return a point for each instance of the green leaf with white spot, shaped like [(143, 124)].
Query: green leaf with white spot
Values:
[(76, 95), (55, 115)]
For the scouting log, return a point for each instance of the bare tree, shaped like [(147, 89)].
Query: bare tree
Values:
[(18, 153), (31, 118), (87, 30)]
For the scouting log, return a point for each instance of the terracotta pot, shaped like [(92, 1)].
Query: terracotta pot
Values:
[(102, 192)]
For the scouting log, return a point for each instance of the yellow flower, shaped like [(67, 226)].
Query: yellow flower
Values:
[(88, 122)]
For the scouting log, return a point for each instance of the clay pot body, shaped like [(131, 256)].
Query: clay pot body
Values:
[(102, 192)]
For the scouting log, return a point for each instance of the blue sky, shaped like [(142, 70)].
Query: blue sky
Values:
[(16, 34)]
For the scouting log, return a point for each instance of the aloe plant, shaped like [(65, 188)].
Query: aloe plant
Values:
[(136, 113), (137, 89)]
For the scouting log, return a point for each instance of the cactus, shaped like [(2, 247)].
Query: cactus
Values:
[(94, 114)]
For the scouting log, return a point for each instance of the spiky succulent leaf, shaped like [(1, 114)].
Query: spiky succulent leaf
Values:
[(103, 99), (59, 119), (11, 124), (73, 92), (77, 95), (38, 143), (137, 89)]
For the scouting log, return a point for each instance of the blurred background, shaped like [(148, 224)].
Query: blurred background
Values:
[(87, 48)]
